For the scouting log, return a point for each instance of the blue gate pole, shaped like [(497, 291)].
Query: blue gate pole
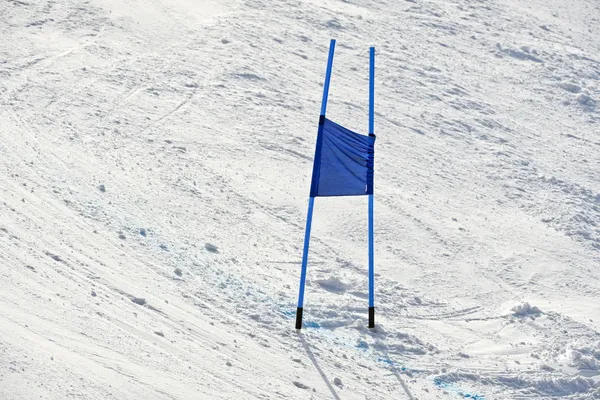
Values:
[(371, 200), (311, 201)]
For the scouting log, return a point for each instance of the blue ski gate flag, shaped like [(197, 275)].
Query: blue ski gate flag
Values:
[(343, 162), (343, 166)]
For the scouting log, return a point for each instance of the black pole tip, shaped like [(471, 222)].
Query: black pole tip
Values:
[(371, 317), (299, 318)]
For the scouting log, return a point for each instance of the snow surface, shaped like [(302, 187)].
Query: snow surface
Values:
[(155, 158)]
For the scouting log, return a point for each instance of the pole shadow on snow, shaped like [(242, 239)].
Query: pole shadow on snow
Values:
[(399, 378), (318, 367), (294, 262)]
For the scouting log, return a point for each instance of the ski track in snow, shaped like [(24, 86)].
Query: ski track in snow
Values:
[(155, 159)]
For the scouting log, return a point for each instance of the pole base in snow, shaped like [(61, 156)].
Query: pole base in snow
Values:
[(371, 317), (299, 318)]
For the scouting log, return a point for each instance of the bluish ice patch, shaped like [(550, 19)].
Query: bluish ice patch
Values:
[(440, 383), (288, 311), (387, 361), (447, 386), (393, 363), (362, 345)]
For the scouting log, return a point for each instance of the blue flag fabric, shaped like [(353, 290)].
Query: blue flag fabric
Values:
[(343, 164)]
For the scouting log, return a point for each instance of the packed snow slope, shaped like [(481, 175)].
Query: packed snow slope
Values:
[(155, 161)]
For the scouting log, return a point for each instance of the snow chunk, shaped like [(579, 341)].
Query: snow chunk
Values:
[(211, 247), (570, 87), (585, 357), (519, 54), (333, 284), (585, 100), (139, 300), (300, 385), (525, 309)]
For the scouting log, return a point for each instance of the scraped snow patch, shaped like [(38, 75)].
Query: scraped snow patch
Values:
[(546, 385)]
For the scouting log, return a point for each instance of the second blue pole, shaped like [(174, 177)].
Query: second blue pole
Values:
[(371, 200)]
